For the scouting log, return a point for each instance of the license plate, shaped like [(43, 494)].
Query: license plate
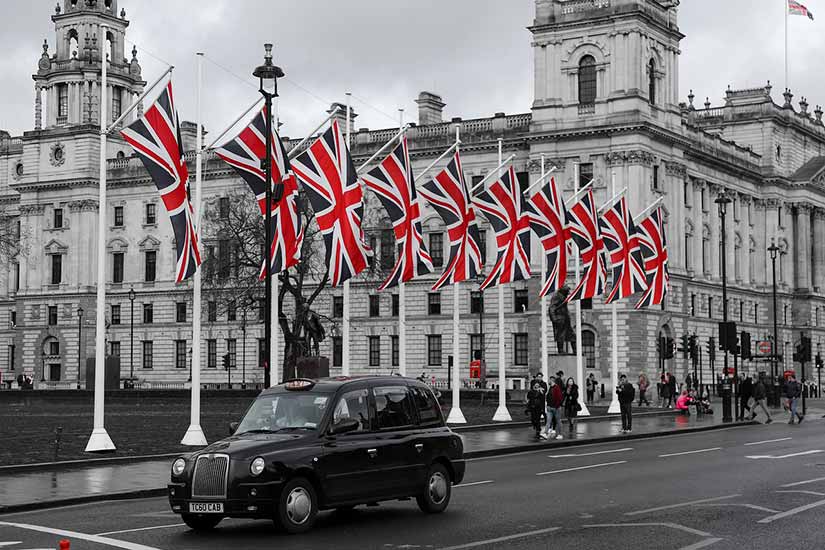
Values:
[(206, 507)]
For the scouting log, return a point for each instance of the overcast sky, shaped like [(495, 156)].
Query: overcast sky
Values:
[(475, 53)]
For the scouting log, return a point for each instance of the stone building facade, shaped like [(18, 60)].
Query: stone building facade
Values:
[(606, 99)]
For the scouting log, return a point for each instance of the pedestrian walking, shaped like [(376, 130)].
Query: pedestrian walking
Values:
[(644, 384), (745, 395), (626, 393), (535, 406), (674, 388), (592, 383), (571, 401), (665, 394), (539, 377), (759, 394), (793, 390), (555, 399)]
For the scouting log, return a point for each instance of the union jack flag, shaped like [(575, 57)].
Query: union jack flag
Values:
[(622, 243), (651, 232), (795, 8), (244, 154), (504, 206), (331, 184), (584, 229), (447, 193), (392, 181), (156, 139), (548, 222)]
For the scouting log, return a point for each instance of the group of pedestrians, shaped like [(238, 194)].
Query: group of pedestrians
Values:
[(753, 396), (547, 400)]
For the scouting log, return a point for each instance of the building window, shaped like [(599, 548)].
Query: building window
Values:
[(118, 216), (686, 193), (779, 215), (11, 356), (587, 80), (337, 306), (231, 349), (150, 266), (54, 347), (13, 318), (692, 305), (114, 349), (16, 276), (375, 351), (337, 351), (211, 354), (180, 312), (482, 244), (434, 350), (476, 302), (117, 267), (710, 307), (232, 311), (387, 249), (394, 353), (58, 218), (261, 309), (520, 348), (655, 176), (57, 269), (395, 305), (521, 300), (785, 314), (115, 314), (437, 249), (651, 82), (151, 214), (688, 251), (756, 313), (434, 303), (585, 173), (148, 360), (476, 347), (703, 198), (148, 314), (52, 316), (375, 305), (223, 208), (589, 348), (741, 311), (705, 254), (180, 354), (224, 259), (211, 311), (62, 103)]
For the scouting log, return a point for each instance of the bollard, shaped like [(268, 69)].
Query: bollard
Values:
[(65, 544)]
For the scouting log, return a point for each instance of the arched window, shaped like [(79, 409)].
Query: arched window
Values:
[(73, 46), (688, 246), (587, 80), (705, 250), (737, 257), (589, 348), (651, 75), (110, 46), (752, 259)]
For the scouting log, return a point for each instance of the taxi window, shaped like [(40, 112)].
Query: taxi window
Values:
[(429, 411), (353, 404), (393, 407)]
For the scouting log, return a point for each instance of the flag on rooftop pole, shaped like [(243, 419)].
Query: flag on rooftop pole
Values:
[(653, 243), (549, 222), (156, 139), (795, 8), (584, 230)]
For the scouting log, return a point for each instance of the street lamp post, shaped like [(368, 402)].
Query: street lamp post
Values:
[(268, 75), (79, 341), (722, 201), (132, 337), (774, 251)]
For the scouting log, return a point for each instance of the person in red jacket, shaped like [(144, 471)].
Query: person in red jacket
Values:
[(554, 402)]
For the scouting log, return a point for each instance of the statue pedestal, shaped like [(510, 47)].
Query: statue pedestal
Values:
[(565, 363)]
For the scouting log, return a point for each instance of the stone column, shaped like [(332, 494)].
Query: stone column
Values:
[(745, 225), (762, 275), (819, 250), (715, 232), (802, 246), (38, 107), (698, 226)]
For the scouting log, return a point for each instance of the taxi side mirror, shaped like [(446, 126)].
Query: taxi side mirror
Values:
[(233, 427), (344, 426)]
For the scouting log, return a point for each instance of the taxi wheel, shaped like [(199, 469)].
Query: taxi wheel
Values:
[(437, 490), (297, 506), (198, 522)]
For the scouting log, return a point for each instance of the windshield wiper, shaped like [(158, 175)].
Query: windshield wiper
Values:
[(258, 431)]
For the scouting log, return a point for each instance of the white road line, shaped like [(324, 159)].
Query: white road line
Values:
[(803, 453), (581, 468), (692, 452), (798, 483), (814, 493), (592, 454), (501, 539), (680, 505), (768, 441), (140, 529), (701, 544), (792, 512), (473, 483), (684, 528), (751, 506), (10, 543), (82, 536)]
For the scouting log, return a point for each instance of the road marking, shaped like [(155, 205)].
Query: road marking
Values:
[(814, 493), (792, 512), (581, 468), (798, 483), (592, 454), (11, 543), (803, 453), (692, 452), (140, 529), (501, 539), (751, 506), (680, 505), (768, 441), (473, 483), (701, 544), (83, 536), (684, 528)]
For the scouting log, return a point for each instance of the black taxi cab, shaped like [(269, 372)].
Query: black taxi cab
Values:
[(310, 445)]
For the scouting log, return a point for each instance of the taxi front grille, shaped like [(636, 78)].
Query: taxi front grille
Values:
[(209, 479)]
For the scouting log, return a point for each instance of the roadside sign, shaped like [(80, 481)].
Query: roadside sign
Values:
[(764, 347)]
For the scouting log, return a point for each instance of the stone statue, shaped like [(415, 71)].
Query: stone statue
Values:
[(560, 317), (315, 332)]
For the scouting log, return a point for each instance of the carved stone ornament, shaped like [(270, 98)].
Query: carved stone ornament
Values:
[(85, 205), (630, 157), (675, 169), (17, 171), (44, 62), (57, 154)]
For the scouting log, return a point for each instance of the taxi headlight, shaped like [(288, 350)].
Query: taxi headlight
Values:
[(178, 466), (257, 466)]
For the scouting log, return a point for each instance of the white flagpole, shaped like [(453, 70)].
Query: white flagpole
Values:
[(496, 170), (456, 416), (501, 414), (579, 358), (436, 161), (787, 84), (274, 313), (544, 351), (346, 336), (402, 294), (194, 436), (99, 440), (614, 318)]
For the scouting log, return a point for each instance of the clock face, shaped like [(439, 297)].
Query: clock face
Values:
[(19, 169)]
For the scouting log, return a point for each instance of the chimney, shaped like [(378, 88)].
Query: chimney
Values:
[(430, 108), (189, 135), (341, 116)]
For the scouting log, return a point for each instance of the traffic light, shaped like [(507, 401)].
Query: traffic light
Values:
[(684, 346), (670, 345), (693, 348), (226, 361), (819, 362), (745, 342), (727, 336), (712, 348)]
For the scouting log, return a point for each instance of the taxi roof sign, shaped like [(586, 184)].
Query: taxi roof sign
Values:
[(299, 384)]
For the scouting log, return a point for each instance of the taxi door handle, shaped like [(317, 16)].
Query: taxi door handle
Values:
[(372, 452), (419, 447)]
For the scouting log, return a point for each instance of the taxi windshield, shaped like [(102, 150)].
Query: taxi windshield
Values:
[(284, 411)]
